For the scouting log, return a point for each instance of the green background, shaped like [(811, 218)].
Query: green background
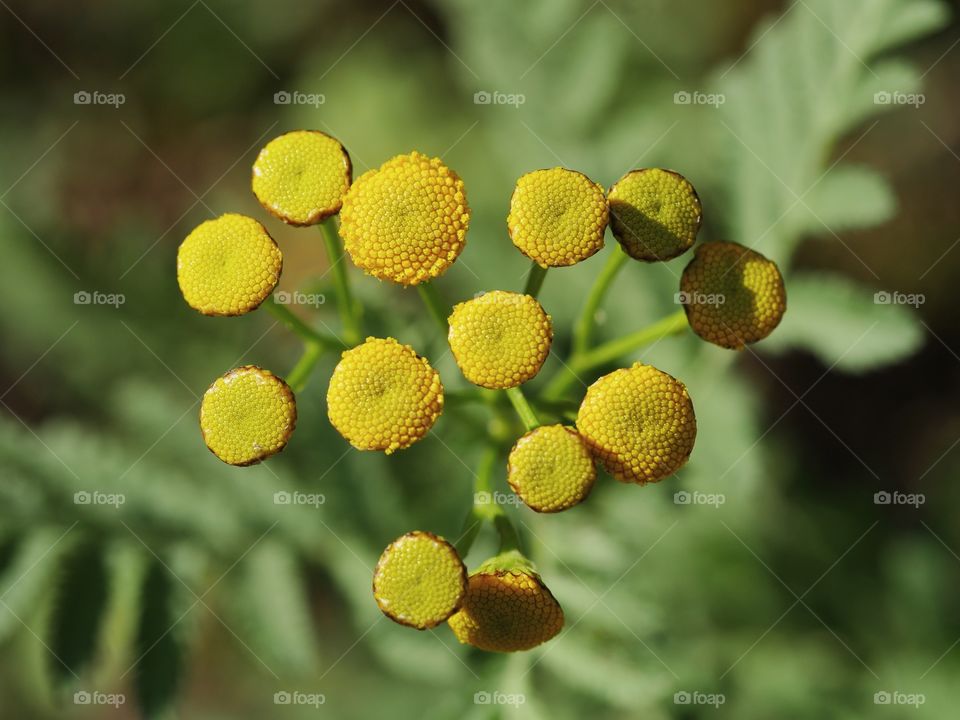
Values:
[(199, 597)]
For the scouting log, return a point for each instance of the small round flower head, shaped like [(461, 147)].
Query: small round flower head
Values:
[(732, 295), (228, 266), (247, 415), (302, 176), (383, 396), (406, 221), (551, 468), (500, 339), (639, 423), (655, 214), (419, 580), (557, 217), (506, 607)]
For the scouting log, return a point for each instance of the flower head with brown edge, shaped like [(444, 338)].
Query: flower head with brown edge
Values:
[(639, 423), (247, 415), (407, 220)]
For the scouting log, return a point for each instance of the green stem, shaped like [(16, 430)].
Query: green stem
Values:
[(535, 280), (613, 350), (439, 310), (520, 404), (479, 510), (509, 540), (300, 328), (341, 282), (298, 376), (584, 327), (484, 509)]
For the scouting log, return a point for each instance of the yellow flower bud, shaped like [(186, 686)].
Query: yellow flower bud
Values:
[(551, 468), (557, 217), (654, 214), (383, 396), (500, 339), (732, 295), (228, 266), (639, 423), (302, 176), (406, 221), (247, 415), (419, 580)]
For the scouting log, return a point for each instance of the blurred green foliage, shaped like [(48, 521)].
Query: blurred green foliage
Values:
[(202, 596)]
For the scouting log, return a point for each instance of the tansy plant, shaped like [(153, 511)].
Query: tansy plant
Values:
[(406, 223)]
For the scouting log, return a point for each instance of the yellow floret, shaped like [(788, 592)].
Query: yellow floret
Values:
[(557, 217), (419, 580), (655, 214), (302, 176), (383, 396), (406, 221), (247, 415), (500, 339), (639, 423), (506, 607), (228, 266), (551, 468), (732, 295)]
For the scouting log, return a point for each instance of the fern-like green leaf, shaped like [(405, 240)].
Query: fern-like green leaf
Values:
[(28, 575), (810, 80), (78, 612), (160, 656), (268, 601), (866, 328)]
